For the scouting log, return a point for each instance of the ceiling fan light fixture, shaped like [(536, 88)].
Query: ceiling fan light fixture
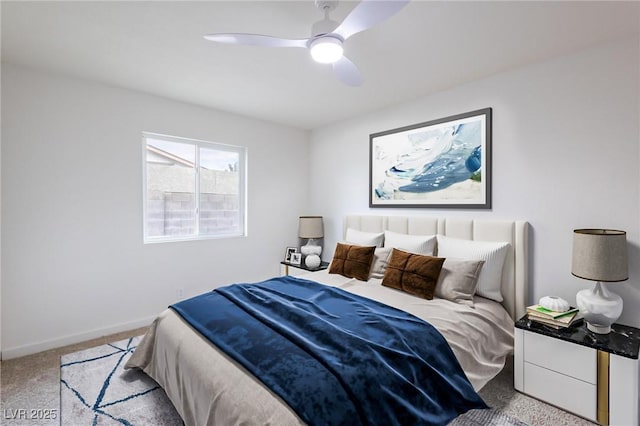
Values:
[(326, 50), (327, 36)]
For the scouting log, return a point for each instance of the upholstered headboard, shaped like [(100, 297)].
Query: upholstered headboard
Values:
[(514, 273)]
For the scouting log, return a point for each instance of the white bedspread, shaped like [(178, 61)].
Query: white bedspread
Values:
[(208, 388)]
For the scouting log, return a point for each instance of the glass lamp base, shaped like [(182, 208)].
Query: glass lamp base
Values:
[(311, 248), (599, 307), (599, 329)]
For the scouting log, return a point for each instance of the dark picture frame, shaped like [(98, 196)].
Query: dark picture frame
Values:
[(288, 252), (443, 163)]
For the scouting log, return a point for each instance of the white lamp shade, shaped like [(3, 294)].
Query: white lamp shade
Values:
[(310, 227), (600, 255)]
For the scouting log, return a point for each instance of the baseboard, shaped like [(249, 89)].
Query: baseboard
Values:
[(73, 339)]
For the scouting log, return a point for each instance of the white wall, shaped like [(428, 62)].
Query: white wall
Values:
[(566, 141), (74, 265)]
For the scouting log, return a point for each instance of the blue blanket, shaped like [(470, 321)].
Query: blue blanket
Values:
[(334, 357)]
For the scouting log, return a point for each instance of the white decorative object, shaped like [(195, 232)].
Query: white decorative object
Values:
[(554, 303), (312, 261), (599, 255)]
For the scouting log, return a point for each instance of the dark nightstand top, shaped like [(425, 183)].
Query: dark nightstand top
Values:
[(323, 265), (623, 340)]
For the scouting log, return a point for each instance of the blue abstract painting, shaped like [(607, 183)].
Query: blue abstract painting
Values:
[(441, 163)]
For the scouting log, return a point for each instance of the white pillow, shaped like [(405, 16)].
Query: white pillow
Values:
[(380, 260), (364, 238), (420, 244), (493, 254)]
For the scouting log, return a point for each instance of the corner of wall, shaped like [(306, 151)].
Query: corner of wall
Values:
[(0, 206)]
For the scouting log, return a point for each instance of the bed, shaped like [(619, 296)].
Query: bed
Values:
[(207, 386)]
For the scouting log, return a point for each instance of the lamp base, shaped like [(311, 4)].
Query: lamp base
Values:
[(599, 307), (312, 254), (311, 248), (599, 329)]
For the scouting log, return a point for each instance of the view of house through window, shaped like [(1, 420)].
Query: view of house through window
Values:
[(193, 189)]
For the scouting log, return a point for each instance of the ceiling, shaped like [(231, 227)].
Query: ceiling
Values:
[(157, 48)]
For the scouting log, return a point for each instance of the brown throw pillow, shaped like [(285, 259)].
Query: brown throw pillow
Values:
[(352, 261), (413, 273)]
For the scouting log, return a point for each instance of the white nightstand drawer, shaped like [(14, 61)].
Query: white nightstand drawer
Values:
[(560, 356), (560, 390)]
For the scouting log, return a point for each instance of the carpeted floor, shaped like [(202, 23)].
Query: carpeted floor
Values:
[(95, 389), (33, 383)]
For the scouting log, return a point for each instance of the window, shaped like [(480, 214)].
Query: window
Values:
[(192, 189)]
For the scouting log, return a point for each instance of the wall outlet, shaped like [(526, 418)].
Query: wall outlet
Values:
[(180, 293)]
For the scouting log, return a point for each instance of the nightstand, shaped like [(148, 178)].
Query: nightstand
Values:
[(595, 376), (287, 268)]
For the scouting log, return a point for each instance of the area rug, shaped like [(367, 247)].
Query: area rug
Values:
[(96, 390)]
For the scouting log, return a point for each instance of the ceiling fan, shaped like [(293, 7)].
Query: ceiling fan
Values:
[(327, 36)]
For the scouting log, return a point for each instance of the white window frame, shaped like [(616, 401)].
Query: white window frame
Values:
[(242, 188)]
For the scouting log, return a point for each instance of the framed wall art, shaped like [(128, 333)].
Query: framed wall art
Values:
[(444, 163)]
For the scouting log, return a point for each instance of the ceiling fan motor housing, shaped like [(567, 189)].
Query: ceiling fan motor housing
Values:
[(326, 5), (326, 26)]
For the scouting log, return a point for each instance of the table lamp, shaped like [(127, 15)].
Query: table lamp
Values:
[(311, 228), (599, 255)]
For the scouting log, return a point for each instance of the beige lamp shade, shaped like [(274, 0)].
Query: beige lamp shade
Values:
[(600, 255), (310, 227)]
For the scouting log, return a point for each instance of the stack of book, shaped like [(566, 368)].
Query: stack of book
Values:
[(554, 319)]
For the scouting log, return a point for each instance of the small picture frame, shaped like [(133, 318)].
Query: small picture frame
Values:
[(289, 252), (296, 258)]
